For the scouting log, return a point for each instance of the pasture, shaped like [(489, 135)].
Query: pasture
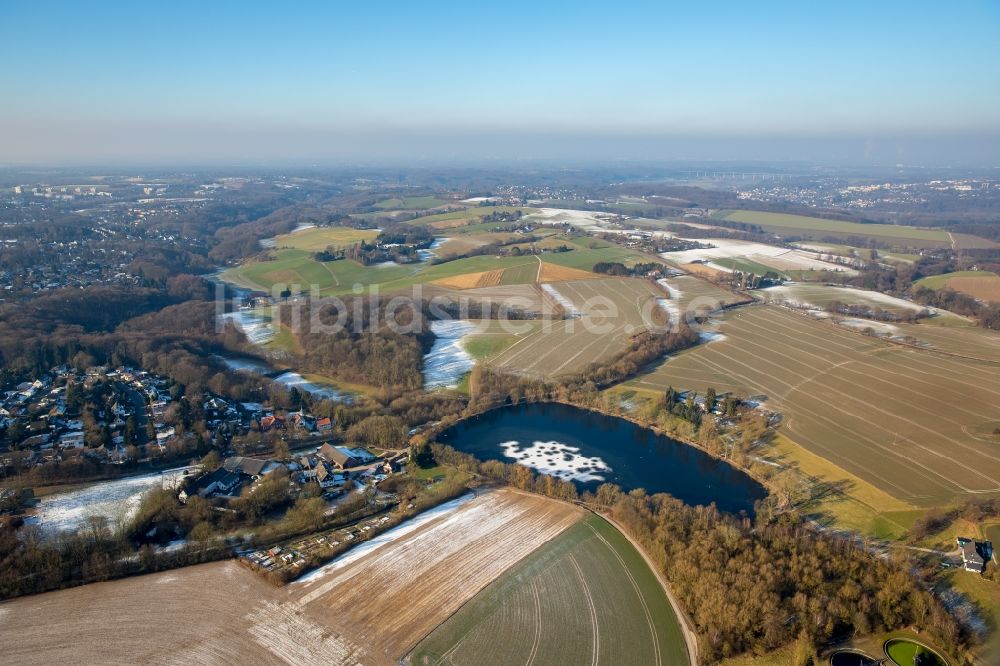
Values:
[(586, 597), (297, 267), (609, 311), (815, 227), (315, 239), (904, 420)]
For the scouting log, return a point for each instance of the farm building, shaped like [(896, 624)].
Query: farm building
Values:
[(975, 553), (338, 456)]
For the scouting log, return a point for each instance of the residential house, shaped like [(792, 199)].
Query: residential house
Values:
[(975, 553)]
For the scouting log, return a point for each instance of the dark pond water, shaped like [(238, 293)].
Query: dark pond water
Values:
[(590, 449)]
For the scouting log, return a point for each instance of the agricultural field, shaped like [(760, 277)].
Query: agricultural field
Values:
[(459, 218), (801, 225), (411, 203), (750, 257), (907, 421), (983, 285), (818, 296), (966, 341), (370, 606), (297, 267), (603, 313), (392, 595), (315, 239), (586, 597), (698, 295), (215, 613)]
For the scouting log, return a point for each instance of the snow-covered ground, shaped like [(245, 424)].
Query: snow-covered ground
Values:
[(724, 248), (567, 304), (116, 500), (582, 219), (674, 292), (557, 459), (245, 365), (429, 253), (447, 360), (799, 295), (386, 537), (257, 329), (290, 379), (879, 327)]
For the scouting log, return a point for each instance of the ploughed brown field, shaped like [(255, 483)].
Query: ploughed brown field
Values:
[(984, 288), (609, 310), (909, 421), (371, 610)]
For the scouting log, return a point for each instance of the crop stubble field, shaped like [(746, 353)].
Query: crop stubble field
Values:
[(908, 421), (557, 347), (371, 610), (586, 597)]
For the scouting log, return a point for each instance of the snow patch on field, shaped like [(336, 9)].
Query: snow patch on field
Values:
[(117, 500), (557, 459), (724, 248), (670, 306), (877, 326), (711, 336), (671, 289), (257, 329), (447, 360), (795, 294), (290, 379), (385, 538), (566, 303), (245, 365), (285, 631)]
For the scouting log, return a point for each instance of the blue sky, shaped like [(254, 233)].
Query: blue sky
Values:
[(246, 81)]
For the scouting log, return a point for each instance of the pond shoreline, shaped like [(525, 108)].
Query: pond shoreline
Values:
[(729, 487), (763, 480)]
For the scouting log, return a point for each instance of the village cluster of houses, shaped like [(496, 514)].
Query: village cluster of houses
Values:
[(37, 426), (37, 422), (334, 469)]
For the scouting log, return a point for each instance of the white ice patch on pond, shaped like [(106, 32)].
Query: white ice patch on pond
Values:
[(116, 500), (557, 459), (294, 379), (561, 300), (447, 360), (257, 329)]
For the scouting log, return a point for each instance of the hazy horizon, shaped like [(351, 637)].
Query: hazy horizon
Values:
[(853, 84)]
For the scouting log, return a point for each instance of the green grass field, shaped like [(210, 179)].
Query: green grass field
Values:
[(937, 281), (297, 267), (319, 238), (411, 203), (470, 213), (587, 596), (585, 259), (786, 224)]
